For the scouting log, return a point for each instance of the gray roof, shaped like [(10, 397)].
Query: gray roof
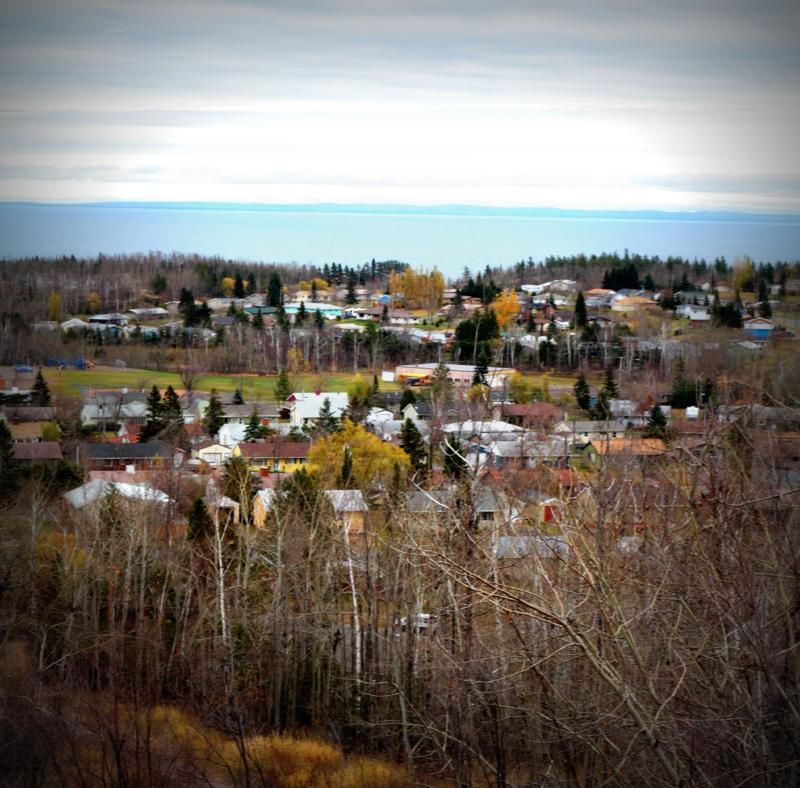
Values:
[(347, 500), (128, 451), (541, 545), (427, 502)]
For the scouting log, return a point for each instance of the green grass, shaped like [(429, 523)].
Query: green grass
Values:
[(70, 382)]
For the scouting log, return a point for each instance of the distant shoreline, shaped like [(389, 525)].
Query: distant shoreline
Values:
[(389, 209)]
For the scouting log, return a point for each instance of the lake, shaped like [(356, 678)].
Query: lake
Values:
[(448, 237)]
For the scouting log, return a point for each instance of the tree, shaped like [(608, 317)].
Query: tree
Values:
[(283, 386), (214, 417), (300, 315), (358, 399), (413, 445), (683, 390), (54, 306), (346, 473), (40, 393), (238, 398), (258, 321), (373, 459), (582, 393), (199, 525), (314, 291), (408, 397), (581, 318), (8, 463), (238, 287), (506, 308), (351, 298), (480, 377), (93, 303), (656, 424), (520, 389), (319, 320), (158, 284), (154, 420), (602, 407), (171, 410), (237, 483), (274, 290), (649, 284), (385, 315), (453, 460), (255, 429), (609, 383), (327, 422), (476, 333)]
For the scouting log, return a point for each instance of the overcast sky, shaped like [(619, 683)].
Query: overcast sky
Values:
[(587, 104)]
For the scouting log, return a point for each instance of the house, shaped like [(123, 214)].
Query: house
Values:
[(263, 503), (536, 415), (417, 411), (213, 453), (305, 408), (460, 374), (44, 452), (139, 456), (240, 414), (26, 431), (349, 508), (634, 303), (231, 434), (109, 319), (12, 414), (630, 448), (328, 311), (74, 324), (758, 329), (482, 430), (274, 456), (149, 313), (96, 491), (586, 430), (397, 317)]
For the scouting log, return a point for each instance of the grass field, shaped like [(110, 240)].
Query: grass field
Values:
[(71, 382)]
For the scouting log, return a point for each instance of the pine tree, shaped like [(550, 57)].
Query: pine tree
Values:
[(238, 286), (274, 290), (154, 420), (238, 398), (683, 391), (8, 463), (283, 386), (214, 417), (656, 424), (319, 320), (258, 321), (327, 422), (582, 393), (346, 474), (40, 393), (351, 298), (412, 444), (602, 408), (314, 292), (199, 524), (609, 384), (300, 315), (255, 429), (452, 458), (171, 410), (480, 376), (408, 397), (581, 318)]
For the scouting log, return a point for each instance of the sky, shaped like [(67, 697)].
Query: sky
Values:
[(593, 104)]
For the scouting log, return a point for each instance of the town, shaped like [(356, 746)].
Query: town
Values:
[(354, 497)]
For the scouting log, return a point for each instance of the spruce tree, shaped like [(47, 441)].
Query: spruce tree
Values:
[(327, 422), (319, 320), (238, 286), (602, 407), (40, 393), (413, 445), (582, 393), (452, 458), (171, 410), (8, 463), (656, 424), (274, 290), (214, 417), (408, 397), (258, 321), (237, 398), (314, 292), (300, 315), (351, 298), (154, 420), (581, 318), (480, 377), (610, 384), (255, 429), (199, 524), (283, 386), (346, 474)]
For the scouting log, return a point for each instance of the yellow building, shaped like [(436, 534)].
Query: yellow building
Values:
[(274, 457)]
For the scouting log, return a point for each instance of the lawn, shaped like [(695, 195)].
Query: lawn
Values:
[(70, 382)]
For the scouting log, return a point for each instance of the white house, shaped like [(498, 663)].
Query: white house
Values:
[(95, 491), (306, 407), (214, 454)]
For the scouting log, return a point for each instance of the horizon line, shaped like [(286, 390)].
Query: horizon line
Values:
[(434, 209)]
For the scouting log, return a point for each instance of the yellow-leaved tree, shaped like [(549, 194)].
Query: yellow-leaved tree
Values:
[(374, 460), (93, 303), (228, 283), (54, 306), (506, 307)]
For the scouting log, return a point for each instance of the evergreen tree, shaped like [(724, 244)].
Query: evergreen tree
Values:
[(581, 392), (314, 291), (199, 524), (763, 295), (649, 284), (327, 423), (258, 321), (656, 424), (238, 286), (171, 410), (375, 398), (9, 465), (408, 397), (458, 303), (609, 384), (765, 309), (154, 420), (40, 393), (319, 320), (602, 407), (351, 298), (683, 390), (385, 315), (453, 461), (413, 445), (255, 429), (480, 376), (274, 290), (281, 319), (214, 417), (300, 315), (707, 391), (346, 474), (581, 318), (238, 398), (283, 386)]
